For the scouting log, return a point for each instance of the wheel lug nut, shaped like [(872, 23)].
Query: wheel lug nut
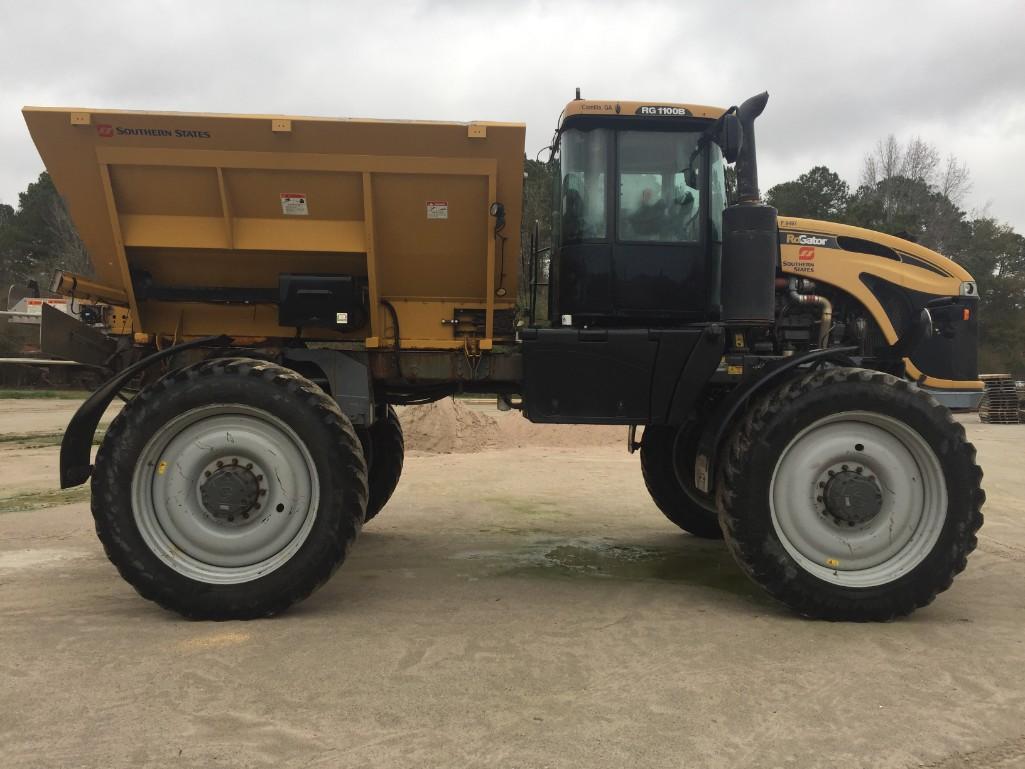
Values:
[(262, 492), (220, 463), (234, 461), (207, 473), (245, 515), (259, 477), (249, 466), (845, 468)]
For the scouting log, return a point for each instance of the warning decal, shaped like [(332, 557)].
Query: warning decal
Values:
[(294, 204), (437, 209)]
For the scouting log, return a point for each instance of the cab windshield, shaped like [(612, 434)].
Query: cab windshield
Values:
[(657, 190)]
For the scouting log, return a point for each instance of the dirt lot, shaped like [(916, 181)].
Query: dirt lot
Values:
[(524, 607)]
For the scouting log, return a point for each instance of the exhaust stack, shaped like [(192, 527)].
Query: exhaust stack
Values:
[(750, 246), (747, 161)]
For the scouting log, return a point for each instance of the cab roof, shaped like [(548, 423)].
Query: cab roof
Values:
[(612, 108)]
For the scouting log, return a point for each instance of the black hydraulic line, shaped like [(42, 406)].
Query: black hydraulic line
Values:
[(501, 256), (725, 413), (398, 338), (76, 446)]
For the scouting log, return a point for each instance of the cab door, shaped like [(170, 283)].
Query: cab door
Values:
[(659, 254)]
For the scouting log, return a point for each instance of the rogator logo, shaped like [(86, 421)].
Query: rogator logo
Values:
[(108, 131), (805, 240)]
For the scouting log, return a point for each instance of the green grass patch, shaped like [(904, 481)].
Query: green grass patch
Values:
[(38, 500), (42, 440), (80, 395)]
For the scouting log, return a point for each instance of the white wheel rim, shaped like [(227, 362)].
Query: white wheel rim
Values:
[(179, 527), (912, 491)]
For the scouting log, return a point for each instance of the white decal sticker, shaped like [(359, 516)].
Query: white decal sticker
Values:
[(437, 209), (294, 204)]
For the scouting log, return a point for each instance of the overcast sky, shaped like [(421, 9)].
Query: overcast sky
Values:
[(841, 74)]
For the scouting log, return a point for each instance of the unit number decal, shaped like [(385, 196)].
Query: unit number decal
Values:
[(294, 204), (437, 209)]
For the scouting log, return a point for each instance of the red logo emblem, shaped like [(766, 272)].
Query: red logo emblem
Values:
[(806, 253), (104, 130)]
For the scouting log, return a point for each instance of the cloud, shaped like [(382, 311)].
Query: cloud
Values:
[(841, 75)]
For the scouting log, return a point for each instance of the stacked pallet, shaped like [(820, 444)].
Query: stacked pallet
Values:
[(1000, 402)]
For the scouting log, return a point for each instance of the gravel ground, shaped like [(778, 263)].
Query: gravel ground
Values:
[(512, 608)]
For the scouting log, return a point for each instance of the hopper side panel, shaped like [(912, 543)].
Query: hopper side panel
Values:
[(418, 256)]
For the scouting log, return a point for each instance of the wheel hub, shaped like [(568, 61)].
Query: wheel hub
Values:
[(230, 491), (858, 498), (852, 498)]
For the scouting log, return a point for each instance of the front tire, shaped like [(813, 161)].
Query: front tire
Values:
[(850, 494), (230, 489)]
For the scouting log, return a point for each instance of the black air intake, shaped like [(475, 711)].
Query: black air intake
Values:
[(749, 260)]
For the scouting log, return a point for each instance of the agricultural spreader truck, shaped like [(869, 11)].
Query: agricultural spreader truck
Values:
[(269, 288)]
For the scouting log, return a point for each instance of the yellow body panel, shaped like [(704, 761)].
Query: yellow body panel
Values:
[(200, 200), (843, 269)]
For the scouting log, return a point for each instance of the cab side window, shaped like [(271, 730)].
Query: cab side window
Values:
[(584, 160)]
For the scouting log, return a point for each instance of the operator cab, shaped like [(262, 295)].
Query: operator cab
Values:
[(638, 225)]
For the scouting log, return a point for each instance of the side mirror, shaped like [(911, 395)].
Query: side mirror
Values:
[(731, 137)]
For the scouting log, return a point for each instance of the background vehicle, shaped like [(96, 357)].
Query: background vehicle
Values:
[(280, 283)]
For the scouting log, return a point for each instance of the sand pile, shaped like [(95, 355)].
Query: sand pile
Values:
[(449, 426), (446, 426)]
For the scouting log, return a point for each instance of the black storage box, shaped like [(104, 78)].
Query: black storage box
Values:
[(322, 301)]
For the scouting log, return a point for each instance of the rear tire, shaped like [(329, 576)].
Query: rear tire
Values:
[(230, 489), (667, 464), (387, 455), (864, 513)]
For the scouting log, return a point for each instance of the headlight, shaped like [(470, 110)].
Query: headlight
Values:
[(968, 288)]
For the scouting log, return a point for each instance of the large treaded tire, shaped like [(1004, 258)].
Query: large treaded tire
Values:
[(674, 495), (388, 452), (315, 419), (747, 468)]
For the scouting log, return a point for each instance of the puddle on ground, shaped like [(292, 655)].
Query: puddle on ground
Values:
[(526, 506), (697, 564)]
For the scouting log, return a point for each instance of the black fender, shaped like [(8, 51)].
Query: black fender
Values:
[(76, 446), (701, 363), (730, 407)]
